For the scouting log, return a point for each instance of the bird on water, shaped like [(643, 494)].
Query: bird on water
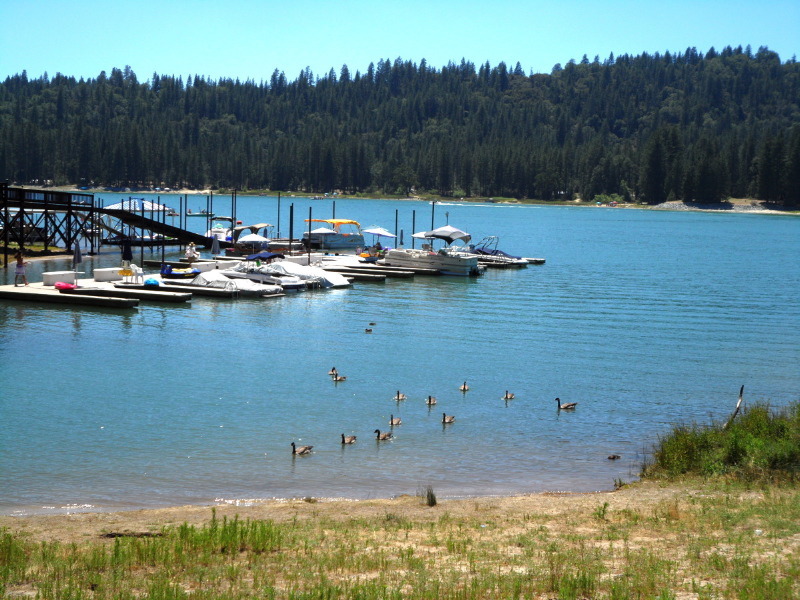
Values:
[(333, 372), (508, 395), (447, 419), (567, 406), (348, 439), (382, 437), (395, 420), (430, 400), (399, 396), (301, 450), (464, 387)]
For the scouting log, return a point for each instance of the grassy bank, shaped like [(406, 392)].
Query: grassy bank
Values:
[(733, 535)]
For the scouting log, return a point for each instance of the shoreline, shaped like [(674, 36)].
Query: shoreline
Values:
[(681, 536), (731, 205), (67, 527)]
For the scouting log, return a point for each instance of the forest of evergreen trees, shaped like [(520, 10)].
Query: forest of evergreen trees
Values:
[(686, 126)]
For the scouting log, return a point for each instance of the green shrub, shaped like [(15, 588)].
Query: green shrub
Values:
[(759, 444)]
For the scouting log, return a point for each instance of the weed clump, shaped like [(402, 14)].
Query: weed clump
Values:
[(760, 445), (428, 496)]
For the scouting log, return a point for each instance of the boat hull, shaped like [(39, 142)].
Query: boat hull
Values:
[(422, 259), (337, 241)]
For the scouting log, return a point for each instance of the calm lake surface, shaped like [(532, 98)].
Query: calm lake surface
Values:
[(645, 318)]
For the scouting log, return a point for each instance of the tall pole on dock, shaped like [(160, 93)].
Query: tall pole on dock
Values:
[(233, 208), (433, 209), (279, 214), (163, 237), (141, 236), (334, 210), (413, 227), (308, 246), (291, 225)]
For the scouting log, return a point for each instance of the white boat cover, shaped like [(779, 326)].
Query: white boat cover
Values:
[(306, 273), (216, 279)]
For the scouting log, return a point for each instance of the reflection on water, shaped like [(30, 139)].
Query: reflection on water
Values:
[(645, 319)]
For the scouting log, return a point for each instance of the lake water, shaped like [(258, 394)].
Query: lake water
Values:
[(644, 318)]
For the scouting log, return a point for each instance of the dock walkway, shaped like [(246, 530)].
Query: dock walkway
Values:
[(37, 292)]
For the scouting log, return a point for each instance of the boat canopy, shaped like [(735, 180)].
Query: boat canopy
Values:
[(265, 256), (335, 222), (252, 228), (447, 233), (138, 205)]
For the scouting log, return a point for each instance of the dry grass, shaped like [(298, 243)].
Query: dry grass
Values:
[(649, 540)]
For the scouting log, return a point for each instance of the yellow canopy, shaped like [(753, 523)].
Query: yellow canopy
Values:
[(335, 221)]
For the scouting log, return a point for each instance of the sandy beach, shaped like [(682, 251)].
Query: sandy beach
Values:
[(555, 508), (690, 540)]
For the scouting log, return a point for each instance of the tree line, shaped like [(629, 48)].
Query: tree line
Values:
[(685, 126)]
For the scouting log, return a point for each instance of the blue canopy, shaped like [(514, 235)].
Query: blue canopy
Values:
[(265, 256)]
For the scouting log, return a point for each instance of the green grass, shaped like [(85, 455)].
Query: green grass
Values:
[(713, 545), (759, 445), (735, 535)]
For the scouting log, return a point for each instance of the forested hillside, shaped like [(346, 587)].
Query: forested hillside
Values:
[(692, 126)]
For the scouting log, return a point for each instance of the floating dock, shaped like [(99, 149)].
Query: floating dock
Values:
[(181, 288), (36, 292), (150, 294)]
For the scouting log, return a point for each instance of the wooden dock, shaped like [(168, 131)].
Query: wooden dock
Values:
[(356, 275), (36, 293), (182, 288), (149, 294)]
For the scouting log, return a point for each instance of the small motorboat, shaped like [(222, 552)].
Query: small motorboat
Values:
[(167, 272)]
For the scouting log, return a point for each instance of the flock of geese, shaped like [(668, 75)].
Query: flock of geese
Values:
[(383, 436)]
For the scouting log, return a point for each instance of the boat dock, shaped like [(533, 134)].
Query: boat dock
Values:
[(148, 294), (39, 293)]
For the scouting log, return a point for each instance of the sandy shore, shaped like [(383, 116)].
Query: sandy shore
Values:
[(641, 496)]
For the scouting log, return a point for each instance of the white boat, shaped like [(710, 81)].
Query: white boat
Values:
[(488, 254), (265, 274), (340, 234), (245, 287), (289, 275), (426, 258), (443, 260)]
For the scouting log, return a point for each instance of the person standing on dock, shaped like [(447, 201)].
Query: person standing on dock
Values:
[(19, 270), (191, 253)]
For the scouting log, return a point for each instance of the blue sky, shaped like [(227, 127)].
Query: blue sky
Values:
[(248, 39)]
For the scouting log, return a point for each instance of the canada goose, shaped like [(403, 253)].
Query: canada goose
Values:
[(395, 420), (464, 387), (399, 396), (448, 419), (372, 324), (613, 457), (430, 401), (382, 437), (568, 406), (508, 396), (333, 372), (348, 439), (368, 330), (301, 449), (338, 378)]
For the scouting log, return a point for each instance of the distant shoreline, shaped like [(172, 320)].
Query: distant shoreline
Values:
[(732, 205)]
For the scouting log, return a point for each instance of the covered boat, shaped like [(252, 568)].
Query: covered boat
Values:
[(337, 234), (245, 287), (443, 260), (489, 254)]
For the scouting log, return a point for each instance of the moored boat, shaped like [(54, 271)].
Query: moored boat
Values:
[(488, 254), (444, 260), (426, 258), (340, 234)]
